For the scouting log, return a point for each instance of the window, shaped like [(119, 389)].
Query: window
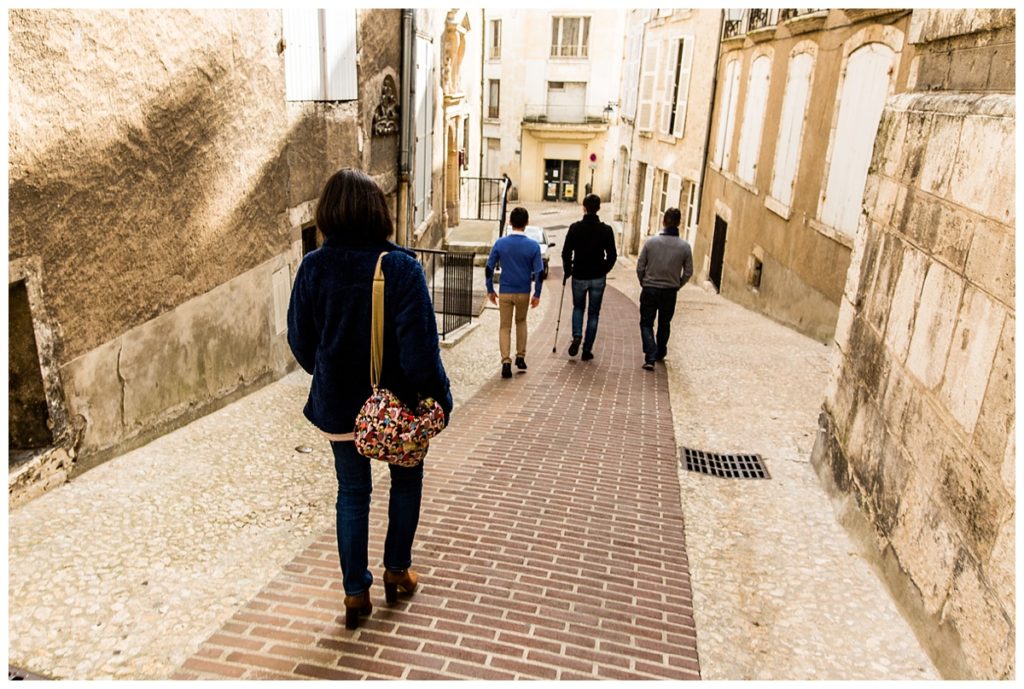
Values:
[(688, 205), (495, 39), (569, 36), (663, 203), (727, 115), (675, 85), (424, 148), (493, 98), (791, 127), (861, 100), (320, 54), (753, 119)]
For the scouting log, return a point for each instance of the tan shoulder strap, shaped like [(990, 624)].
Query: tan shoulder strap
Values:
[(377, 324)]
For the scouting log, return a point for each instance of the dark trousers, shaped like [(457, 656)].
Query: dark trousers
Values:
[(354, 488), (661, 303)]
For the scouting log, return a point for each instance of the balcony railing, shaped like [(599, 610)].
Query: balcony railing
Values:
[(732, 28), (760, 19), (787, 14), (564, 114)]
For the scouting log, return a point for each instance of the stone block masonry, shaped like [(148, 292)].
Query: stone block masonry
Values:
[(917, 429), (550, 544)]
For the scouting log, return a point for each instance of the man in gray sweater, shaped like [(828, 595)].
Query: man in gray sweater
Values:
[(664, 266)]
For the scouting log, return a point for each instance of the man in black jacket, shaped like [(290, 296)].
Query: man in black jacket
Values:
[(587, 256)]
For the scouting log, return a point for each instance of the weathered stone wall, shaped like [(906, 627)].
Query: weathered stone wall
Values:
[(161, 181), (917, 427)]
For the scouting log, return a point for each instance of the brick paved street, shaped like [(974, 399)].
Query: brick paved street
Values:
[(550, 542)]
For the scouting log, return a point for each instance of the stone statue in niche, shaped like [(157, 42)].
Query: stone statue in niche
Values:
[(385, 117)]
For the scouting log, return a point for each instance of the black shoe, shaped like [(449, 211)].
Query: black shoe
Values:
[(661, 357), (520, 363), (506, 370), (587, 356), (648, 366), (574, 346)]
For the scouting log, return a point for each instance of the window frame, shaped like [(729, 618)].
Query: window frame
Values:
[(494, 47), (557, 44), (493, 99)]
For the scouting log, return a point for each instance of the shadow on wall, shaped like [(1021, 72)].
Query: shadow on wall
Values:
[(135, 227)]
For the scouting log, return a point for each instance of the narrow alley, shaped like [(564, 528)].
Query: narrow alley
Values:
[(557, 538)]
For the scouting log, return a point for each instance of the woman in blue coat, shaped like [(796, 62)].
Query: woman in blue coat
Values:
[(329, 334)]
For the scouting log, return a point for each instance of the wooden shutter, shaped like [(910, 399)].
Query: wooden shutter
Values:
[(753, 119), (666, 80), (339, 37), (302, 77), (860, 109), (794, 108), (683, 92), (645, 118), (675, 182)]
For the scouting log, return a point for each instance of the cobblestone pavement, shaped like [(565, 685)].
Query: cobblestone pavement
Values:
[(124, 572), (779, 589)]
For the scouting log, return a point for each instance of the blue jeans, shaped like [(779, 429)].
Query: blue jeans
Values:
[(580, 291), (660, 302), (354, 488)]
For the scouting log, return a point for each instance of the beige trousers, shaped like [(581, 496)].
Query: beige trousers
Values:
[(508, 304)]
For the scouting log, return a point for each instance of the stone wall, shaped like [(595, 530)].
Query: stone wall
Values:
[(916, 438), (161, 181)]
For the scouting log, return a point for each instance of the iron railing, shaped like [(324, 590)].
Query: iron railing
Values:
[(732, 28), (450, 281), (789, 13), (484, 198), (759, 19)]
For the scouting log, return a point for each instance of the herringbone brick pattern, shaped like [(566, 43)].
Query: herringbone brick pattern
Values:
[(550, 543)]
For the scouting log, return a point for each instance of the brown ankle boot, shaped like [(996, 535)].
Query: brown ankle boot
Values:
[(406, 580), (356, 606)]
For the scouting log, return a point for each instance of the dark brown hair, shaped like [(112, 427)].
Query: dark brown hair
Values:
[(672, 217), (353, 206), (591, 203), (519, 217)]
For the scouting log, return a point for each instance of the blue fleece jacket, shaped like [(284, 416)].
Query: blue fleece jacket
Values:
[(329, 330), (520, 261)]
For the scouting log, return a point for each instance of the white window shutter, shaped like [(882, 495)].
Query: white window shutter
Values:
[(645, 118), (675, 183), (794, 108), (730, 115), (666, 75), (646, 196), (684, 86), (301, 30), (860, 109), (340, 53)]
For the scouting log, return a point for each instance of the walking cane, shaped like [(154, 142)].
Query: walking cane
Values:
[(561, 300)]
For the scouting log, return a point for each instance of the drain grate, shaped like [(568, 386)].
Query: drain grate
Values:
[(556, 227), (724, 466), (14, 673)]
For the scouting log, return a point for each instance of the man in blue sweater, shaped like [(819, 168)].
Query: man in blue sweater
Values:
[(521, 265)]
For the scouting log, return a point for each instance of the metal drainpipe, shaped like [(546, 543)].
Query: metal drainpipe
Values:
[(483, 50), (707, 133), (408, 121)]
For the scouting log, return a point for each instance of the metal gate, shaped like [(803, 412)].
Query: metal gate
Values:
[(450, 281), (484, 198)]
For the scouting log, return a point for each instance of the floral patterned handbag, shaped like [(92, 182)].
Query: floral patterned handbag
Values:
[(386, 429)]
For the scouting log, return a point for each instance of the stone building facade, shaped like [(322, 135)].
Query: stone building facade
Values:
[(917, 432), (798, 97), (550, 95), (164, 169), (665, 102)]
